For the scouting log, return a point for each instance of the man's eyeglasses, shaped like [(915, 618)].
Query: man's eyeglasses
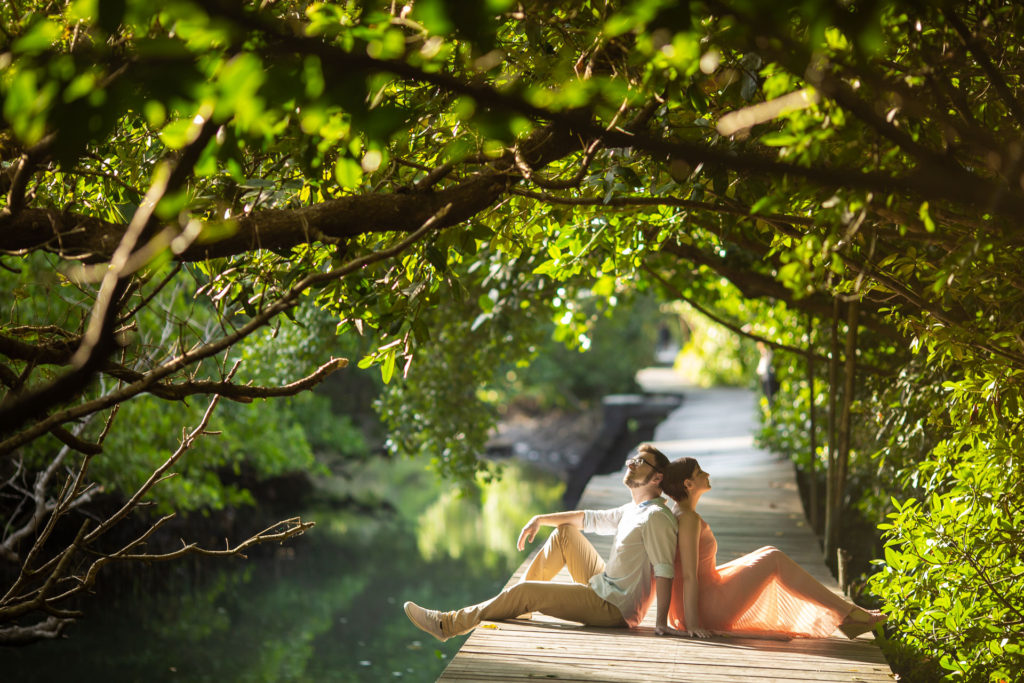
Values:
[(638, 461)]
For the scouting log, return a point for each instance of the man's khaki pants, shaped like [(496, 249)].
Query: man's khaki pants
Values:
[(565, 547)]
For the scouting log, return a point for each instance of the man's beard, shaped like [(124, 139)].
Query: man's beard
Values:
[(635, 484)]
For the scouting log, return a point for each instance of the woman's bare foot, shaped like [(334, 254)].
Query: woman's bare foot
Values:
[(861, 620)]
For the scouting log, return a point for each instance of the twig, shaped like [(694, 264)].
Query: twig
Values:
[(676, 292), (186, 443), (634, 200), (145, 300)]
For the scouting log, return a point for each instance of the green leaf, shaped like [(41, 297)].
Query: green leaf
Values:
[(926, 218), (387, 368), (39, 38), (348, 173), (177, 134), (433, 14)]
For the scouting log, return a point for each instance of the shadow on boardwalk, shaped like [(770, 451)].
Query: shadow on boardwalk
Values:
[(753, 502)]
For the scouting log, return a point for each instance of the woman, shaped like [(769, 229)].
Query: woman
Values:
[(764, 592)]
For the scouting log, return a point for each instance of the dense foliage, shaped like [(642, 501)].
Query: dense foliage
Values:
[(446, 180)]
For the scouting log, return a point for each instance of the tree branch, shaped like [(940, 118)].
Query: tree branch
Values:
[(292, 527), (627, 201), (13, 415), (19, 182), (246, 393), (48, 629), (755, 285)]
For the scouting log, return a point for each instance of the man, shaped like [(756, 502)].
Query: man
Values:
[(766, 372), (616, 594)]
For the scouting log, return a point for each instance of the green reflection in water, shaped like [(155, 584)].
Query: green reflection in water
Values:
[(327, 608)]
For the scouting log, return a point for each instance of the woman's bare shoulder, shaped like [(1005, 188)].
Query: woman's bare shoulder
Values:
[(688, 517)]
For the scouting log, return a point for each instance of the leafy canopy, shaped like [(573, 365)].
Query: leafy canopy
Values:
[(447, 179)]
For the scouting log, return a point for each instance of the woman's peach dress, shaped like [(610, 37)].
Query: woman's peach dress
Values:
[(764, 592)]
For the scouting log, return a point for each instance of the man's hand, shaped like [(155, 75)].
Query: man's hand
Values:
[(571, 517), (528, 533)]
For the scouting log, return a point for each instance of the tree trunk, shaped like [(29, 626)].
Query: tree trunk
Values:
[(833, 395), (841, 462), (812, 472)]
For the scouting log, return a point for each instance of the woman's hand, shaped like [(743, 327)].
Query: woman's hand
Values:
[(685, 633), (699, 633)]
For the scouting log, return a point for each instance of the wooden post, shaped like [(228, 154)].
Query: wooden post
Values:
[(812, 474), (843, 570), (833, 396), (849, 388), (842, 458)]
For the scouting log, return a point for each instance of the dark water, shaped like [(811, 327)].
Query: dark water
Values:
[(327, 608)]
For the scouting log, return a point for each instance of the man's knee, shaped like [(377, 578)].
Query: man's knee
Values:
[(564, 532)]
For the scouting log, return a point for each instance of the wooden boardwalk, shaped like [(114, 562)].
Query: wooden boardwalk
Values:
[(753, 502)]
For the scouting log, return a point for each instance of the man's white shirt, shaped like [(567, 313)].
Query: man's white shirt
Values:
[(645, 538)]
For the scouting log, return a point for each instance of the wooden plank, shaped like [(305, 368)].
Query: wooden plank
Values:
[(731, 670), (753, 503)]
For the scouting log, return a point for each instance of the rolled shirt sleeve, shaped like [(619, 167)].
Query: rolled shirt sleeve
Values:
[(659, 536), (603, 522)]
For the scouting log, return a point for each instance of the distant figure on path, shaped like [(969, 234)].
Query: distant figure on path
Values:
[(616, 594), (764, 592), (766, 372)]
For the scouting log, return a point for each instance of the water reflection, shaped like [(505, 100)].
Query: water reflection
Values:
[(329, 611)]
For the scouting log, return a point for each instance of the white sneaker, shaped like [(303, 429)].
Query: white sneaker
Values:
[(428, 620)]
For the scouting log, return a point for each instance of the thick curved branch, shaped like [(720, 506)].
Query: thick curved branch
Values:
[(589, 152), (90, 239), (14, 415), (74, 236), (99, 340), (59, 353)]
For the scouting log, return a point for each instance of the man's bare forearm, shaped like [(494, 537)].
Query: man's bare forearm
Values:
[(571, 517), (663, 592)]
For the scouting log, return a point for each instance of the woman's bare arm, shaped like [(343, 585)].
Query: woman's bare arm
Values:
[(689, 551)]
